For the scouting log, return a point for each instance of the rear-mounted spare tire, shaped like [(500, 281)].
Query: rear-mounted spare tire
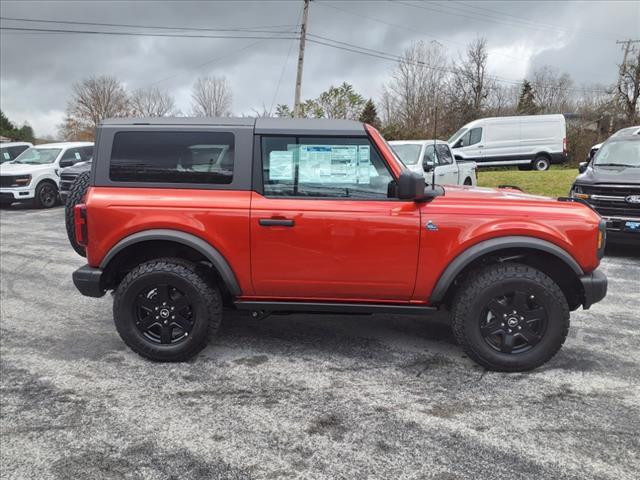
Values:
[(76, 196)]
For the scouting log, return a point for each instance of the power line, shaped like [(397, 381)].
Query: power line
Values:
[(534, 22), (461, 13), (399, 59), (156, 27), (137, 34)]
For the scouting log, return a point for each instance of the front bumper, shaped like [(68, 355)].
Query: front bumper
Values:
[(16, 194), (595, 287), (88, 281)]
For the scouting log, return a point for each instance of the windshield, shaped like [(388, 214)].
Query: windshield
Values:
[(38, 156), (409, 153), (459, 133), (622, 154)]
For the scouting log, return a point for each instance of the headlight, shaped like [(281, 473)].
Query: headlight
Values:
[(22, 181), (576, 192)]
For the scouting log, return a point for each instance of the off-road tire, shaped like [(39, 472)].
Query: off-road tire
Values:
[(206, 302), (483, 285), (44, 191), (541, 163), (76, 196)]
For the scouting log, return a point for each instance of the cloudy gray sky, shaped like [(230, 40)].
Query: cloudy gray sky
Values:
[(37, 69)]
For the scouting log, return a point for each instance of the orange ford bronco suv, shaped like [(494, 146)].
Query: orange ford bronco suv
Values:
[(183, 218)]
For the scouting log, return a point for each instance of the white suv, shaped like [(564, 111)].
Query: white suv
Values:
[(35, 174)]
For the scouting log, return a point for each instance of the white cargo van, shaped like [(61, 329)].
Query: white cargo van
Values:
[(531, 141)]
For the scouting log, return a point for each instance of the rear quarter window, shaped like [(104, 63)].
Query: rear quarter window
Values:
[(172, 157)]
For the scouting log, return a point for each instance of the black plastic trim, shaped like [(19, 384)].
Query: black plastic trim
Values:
[(326, 307), (215, 257), (88, 281), (492, 245), (595, 287)]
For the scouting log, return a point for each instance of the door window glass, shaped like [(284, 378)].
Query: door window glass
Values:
[(475, 135), (335, 167), (444, 155)]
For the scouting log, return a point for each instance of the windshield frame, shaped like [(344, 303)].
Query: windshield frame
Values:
[(20, 161), (605, 149)]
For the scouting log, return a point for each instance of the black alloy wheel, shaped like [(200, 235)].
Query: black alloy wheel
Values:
[(46, 195), (513, 323), (164, 315)]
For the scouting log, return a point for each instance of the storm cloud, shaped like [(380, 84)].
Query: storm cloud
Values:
[(38, 69)]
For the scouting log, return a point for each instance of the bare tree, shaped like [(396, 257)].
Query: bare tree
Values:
[(628, 90), (152, 102), (411, 98), (552, 90), (93, 99), (211, 97), (470, 84)]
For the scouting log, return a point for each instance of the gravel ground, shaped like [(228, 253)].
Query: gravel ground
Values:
[(300, 396)]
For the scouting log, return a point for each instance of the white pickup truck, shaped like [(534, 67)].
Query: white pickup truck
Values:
[(423, 156)]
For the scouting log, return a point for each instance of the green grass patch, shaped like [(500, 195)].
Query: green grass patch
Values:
[(555, 182)]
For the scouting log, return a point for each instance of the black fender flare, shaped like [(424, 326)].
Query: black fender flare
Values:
[(479, 249), (197, 243)]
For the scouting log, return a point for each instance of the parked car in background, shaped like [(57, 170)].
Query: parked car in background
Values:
[(635, 130), (34, 175), (531, 141), (423, 156), (10, 150), (610, 183), (68, 176)]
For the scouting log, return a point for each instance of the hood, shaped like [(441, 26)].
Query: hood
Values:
[(22, 169), (622, 175), (500, 194), (78, 168)]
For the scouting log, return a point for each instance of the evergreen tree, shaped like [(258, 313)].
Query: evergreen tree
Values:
[(370, 115), (527, 100)]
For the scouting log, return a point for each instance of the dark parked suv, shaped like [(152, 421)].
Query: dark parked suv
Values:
[(610, 182)]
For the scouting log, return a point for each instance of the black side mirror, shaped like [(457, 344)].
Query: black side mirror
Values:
[(582, 167), (66, 163), (426, 166), (411, 186)]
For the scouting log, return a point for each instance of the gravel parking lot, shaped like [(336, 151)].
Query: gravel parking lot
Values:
[(300, 396)]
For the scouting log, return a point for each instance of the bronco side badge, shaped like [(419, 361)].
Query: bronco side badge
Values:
[(431, 226)]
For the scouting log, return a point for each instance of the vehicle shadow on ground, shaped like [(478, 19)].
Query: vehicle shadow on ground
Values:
[(352, 335)]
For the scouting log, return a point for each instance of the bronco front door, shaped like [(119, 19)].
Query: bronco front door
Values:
[(323, 226)]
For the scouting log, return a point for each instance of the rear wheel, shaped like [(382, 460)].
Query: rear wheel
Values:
[(76, 196), (166, 311), (541, 163), (510, 317), (46, 195)]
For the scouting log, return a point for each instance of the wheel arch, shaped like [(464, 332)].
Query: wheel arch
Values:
[(551, 259), (166, 242)]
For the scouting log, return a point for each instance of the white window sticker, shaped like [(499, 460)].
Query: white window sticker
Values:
[(364, 165), (280, 165), (6, 155), (78, 157)]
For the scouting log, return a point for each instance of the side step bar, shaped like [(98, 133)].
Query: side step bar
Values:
[(320, 307)]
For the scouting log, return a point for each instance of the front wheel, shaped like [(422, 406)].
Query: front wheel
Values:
[(46, 195), (166, 311), (510, 317)]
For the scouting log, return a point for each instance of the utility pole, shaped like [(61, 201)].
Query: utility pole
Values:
[(303, 36), (623, 69)]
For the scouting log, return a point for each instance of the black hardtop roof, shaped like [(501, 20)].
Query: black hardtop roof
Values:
[(274, 126)]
